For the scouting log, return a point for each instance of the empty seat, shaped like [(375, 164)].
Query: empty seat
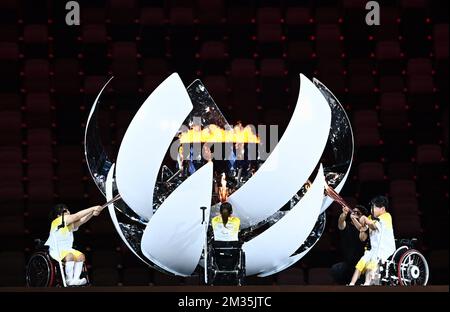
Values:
[(268, 15), (419, 66), (298, 21), (393, 114), (326, 15), (35, 38), (361, 85), (392, 83), (389, 55), (212, 56), (11, 172), (11, 187), (66, 78), (407, 226), (429, 153), (11, 226), (40, 185), (94, 34), (401, 171), (329, 68), (388, 50), (93, 16), (242, 68), (217, 88), (212, 50), (239, 19), (152, 34), (243, 84), (10, 128), (365, 119), (124, 50), (9, 62), (210, 12), (10, 101), (328, 43), (299, 51), (419, 84), (405, 206), (35, 34), (38, 110), (39, 137), (366, 129), (360, 66), (370, 171), (40, 155), (273, 83), (402, 189), (36, 73), (122, 12), (269, 32), (390, 29), (440, 34)]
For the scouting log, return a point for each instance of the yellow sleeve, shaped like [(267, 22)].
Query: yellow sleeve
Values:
[(214, 221), (386, 218), (57, 222)]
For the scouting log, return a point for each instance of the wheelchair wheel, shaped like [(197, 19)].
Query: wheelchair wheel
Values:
[(40, 271), (413, 269)]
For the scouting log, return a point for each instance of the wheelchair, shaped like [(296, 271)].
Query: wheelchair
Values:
[(406, 266), (44, 271), (225, 263)]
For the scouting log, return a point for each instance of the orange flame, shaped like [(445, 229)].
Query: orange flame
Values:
[(215, 134), (223, 190)]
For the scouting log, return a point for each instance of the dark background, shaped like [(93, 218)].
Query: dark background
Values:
[(392, 79)]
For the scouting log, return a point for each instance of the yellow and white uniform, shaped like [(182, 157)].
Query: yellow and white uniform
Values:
[(60, 240), (226, 233), (382, 244)]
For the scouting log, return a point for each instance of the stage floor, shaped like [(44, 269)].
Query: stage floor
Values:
[(184, 289)]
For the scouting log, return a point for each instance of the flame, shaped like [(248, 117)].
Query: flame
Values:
[(223, 190), (215, 134)]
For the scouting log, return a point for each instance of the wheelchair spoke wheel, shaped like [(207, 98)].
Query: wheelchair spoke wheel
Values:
[(413, 269), (40, 271)]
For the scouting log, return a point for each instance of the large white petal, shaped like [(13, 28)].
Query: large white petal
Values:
[(276, 244), (174, 236), (146, 142), (290, 163)]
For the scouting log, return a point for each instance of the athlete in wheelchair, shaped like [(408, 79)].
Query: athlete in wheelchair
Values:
[(388, 261), (226, 259), (46, 266), (406, 267)]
